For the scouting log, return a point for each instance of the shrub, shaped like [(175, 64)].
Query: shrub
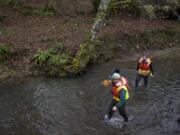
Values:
[(59, 60), (56, 56), (41, 57)]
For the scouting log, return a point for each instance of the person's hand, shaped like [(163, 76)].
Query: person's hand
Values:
[(118, 84), (151, 75), (106, 82), (114, 108)]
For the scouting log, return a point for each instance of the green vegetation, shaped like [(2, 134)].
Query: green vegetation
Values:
[(167, 12), (10, 2), (127, 7), (118, 45), (4, 52), (165, 37), (58, 61), (147, 39), (140, 8), (25, 10), (53, 60), (42, 57), (81, 60), (44, 11), (117, 7)]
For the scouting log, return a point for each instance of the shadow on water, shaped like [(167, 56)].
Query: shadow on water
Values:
[(76, 106)]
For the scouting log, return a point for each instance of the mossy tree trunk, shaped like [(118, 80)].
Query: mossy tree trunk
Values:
[(100, 18)]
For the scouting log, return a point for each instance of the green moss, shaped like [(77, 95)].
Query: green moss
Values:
[(161, 36), (128, 7), (10, 2), (4, 52), (150, 9), (25, 10), (81, 60), (59, 60), (44, 11), (116, 45), (167, 12), (102, 49), (139, 8)]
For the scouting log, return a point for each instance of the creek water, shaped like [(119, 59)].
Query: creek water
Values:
[(76, 106)]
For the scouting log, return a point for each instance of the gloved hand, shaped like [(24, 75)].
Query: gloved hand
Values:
[(118, 84), (106, 82), (114, 108), (151, 75)]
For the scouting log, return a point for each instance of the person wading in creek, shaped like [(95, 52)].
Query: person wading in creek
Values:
[(123, 80), (144, 69), (120, 95)]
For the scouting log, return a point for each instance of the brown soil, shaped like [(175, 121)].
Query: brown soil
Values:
[(26, 34), (135, 25)]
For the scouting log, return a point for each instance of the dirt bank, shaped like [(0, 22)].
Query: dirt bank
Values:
[(24, 35), (6, 73)]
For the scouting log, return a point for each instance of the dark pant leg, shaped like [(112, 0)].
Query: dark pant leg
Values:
[(138, 78), (145, 80), (122, 112), (110, 111)]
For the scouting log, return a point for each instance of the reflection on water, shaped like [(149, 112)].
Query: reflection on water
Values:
[(76, 106)]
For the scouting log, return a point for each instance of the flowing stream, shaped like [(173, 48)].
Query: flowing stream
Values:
[(76, 106)]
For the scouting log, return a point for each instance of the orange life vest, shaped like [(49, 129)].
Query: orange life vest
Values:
[(115, 91), (144, 66), (123, 82)]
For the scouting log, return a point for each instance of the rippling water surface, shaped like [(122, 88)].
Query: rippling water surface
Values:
[(76, 106)]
